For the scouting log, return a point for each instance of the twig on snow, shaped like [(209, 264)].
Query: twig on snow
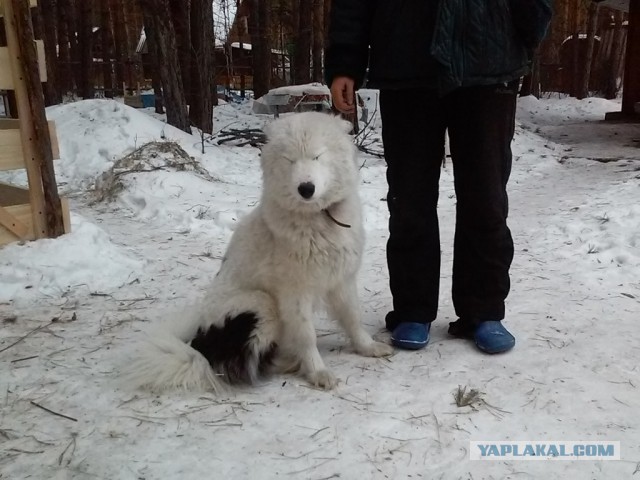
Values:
[(52, 412), (24, 359), (17, 450), (72, 445), (318, 431), (21, 339), (311, 467)]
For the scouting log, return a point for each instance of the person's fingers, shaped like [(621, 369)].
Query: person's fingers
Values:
[(342, 93), (336, 94), (349, 93)]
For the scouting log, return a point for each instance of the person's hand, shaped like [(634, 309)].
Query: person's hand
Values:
[(342, 93)]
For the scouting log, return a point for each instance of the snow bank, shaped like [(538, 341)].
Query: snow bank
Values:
[(84, 259)]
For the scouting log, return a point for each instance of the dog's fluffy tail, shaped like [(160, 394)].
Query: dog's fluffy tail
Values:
[(197, 355), (164, 361)]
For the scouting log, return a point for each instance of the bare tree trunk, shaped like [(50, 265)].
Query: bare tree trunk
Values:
[(168, 64), (265, 43), (133, 24), (575, 54), (86, 49), (281, 39), (253, 24), (303, 43), (295, 28), (611, 86), (65, 79), (631, 80), (583, 87), (152, 48), (106, 36), (182, 25), (121, 41), (242, 32), (318, 39), (45, 27), (202, 73), (259, 29), (74, 49), (326, 16)]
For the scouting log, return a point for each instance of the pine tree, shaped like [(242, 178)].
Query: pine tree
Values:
[(85, 46), (159, 14), (106, 38), (46, 26), (302, 59), (202, 65), (259, 29), (318, 39)]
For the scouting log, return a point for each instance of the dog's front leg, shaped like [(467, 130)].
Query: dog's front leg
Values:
[(299, 340), (344, 306)]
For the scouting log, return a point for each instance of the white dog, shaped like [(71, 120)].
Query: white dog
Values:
[(298, 250)]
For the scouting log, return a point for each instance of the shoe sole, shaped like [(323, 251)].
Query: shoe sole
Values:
[(495, 351), (408, 344)]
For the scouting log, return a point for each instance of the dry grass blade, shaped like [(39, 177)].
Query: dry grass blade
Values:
[(467, 399)]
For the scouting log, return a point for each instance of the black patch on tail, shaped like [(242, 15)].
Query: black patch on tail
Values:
[(227, 348)]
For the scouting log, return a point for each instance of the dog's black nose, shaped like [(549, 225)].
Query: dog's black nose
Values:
[(306, 189)]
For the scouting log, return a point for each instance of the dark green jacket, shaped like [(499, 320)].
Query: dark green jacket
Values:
[(441, 44)]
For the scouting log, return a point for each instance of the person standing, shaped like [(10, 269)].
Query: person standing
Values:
[(441, 66)]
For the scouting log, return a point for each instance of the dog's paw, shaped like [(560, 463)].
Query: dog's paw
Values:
[(375, 349), (323, 379)]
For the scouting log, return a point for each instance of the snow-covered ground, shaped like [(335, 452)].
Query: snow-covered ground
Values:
[(144, 245)]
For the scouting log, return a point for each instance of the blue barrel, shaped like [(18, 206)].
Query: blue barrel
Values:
[(148, 100)]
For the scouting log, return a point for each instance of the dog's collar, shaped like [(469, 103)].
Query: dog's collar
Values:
[(328, 213)]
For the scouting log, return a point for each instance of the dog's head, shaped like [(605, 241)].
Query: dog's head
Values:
[(309, 161)]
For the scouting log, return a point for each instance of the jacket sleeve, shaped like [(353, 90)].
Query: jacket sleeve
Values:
[(531, 19), (347, 52)]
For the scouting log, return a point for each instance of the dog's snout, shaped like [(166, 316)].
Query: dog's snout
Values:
[(306, 190)]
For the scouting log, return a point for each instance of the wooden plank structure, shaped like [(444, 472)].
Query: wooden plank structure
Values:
[(30, 141)]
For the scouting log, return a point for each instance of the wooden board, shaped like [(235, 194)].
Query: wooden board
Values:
[(14, 205), (46, 207), (13, 225), (11, 156), (23, 214), (32, 3), (10, 195), (6, 79)]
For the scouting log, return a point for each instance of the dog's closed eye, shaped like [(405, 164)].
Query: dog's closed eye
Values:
[(317, 157)]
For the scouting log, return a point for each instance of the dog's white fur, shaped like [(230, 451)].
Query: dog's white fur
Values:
[(285, 259)]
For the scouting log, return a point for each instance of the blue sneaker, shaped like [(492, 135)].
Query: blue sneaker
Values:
[(411, 335), (492, 337)]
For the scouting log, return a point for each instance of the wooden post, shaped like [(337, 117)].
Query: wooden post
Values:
[(36, 140), (631, 90)]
